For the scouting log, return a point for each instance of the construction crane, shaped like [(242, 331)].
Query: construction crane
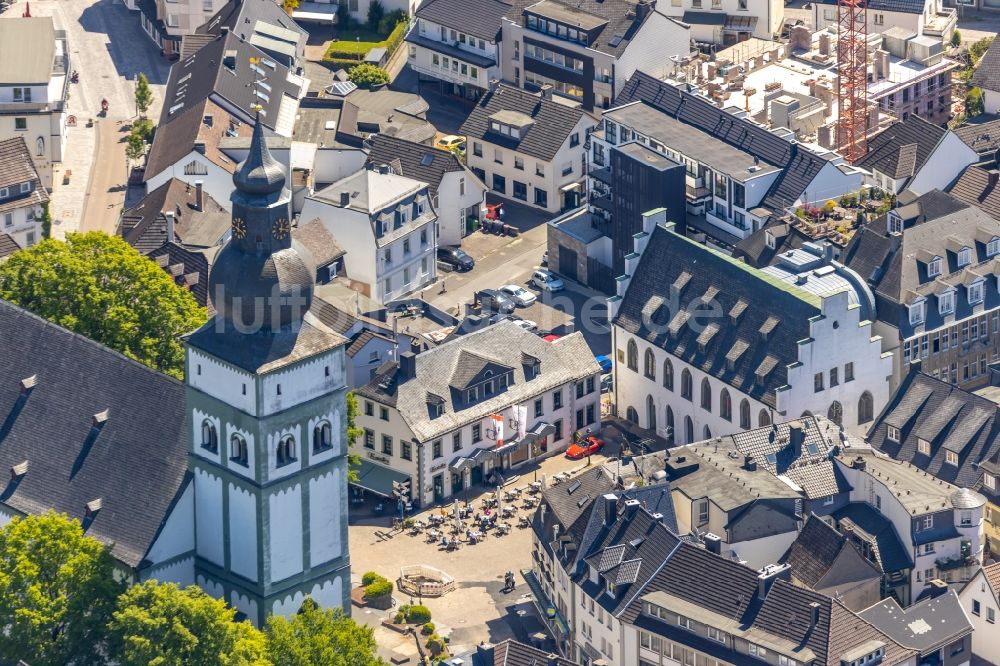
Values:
[(852, 78)]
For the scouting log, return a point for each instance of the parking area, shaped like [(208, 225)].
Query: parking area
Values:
[(479, 608)]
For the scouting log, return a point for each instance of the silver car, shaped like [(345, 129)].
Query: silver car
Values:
[(546, 281)]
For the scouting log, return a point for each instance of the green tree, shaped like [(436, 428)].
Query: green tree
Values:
[(978, 48), (367, 75), (57, 592), (290, 5), (956, 38), (143, 128), (160, 624), (353, 433), (343, 16), (974, 104), (135, 147), (99, 286), (143, 95), (375, 13), (319, 637), (46, 220)]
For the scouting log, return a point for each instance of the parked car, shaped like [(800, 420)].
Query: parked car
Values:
[(551, 337), (526, 324), (607, 383), (456, 257), (587, 446), (450, 141), (604, 362), (546, 281), (493, 301), (522, 297)]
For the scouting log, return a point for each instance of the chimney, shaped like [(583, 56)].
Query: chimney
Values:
[(484, 653), (643, 9), (796, 436), (713, 543), (769, 574), (610, 502), (859, 463), (100, 418), (749, 464), (813, 615), (345, 199), (407, 366), (824, 44), (494, 85), (552, 660), (28, 383), (937, 587), (546, 91), (92, 507), (199, 195), (169, 216), (631, 506), (18, 471), (993, 175)]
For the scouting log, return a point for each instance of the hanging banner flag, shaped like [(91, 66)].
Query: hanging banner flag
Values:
[(498, 428), (521, 417)]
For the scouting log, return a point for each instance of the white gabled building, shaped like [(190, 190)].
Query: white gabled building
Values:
[(387, 226), (22, 195), (427, 417), (705, 345), (980, 599)]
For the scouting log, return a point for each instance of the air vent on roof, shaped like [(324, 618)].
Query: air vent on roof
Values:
[(92, 507), (28, 383), (636, 542), (100, 418), (18, 470), (615, 41), (573, 488)]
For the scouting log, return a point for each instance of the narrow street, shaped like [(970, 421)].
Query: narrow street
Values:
[(88, 188)]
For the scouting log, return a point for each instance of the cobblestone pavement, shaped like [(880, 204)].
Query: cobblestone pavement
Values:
[(108, 48), (478, 609)]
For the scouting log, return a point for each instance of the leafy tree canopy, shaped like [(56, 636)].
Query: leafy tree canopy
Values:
[(320, 637), (57, 592), (160, 624), (143, 94), (99, 286), (366, 75)]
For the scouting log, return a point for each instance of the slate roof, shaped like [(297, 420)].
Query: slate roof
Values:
[(512, 653), (896, 268), (144, 225), (874, 528), (984, 138), (16, 167), (240, 17), (807, 462), (189, 268), (135, 463), (318, 241), (568, 501), (754, 250), (415, 160), (987, 74), (924, 626), (27, 50), (977, 186), (8, 246), (565, 360), (177, 138), (815, 551), (553, 122), (205, 74), (902, 149), (479, 18), (609, 18), (949, 418), (902, 6), (766, 303)]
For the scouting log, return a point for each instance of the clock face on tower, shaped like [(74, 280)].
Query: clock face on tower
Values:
[(239, 228), (280, 229)]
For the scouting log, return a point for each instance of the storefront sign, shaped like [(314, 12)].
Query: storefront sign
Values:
[(378, 458)]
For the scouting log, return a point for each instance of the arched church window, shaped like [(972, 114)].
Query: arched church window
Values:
[(286, 450), (322, 437), (238, 450), (209, 436)]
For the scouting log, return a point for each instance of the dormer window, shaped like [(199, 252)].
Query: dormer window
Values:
[(25, 188), (893, 223), (946, 302), (435, 409), (769, 239), (993, 247), (916, 313), (934, 267), (976, 292), (964, 257)]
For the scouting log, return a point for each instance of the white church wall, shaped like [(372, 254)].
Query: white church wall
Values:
[(242, 533), (285, 389), (177, 535), (285, 522), (324, 518), (275, 472), (208, 516), (244, 604), (180, 572), (221, 381)]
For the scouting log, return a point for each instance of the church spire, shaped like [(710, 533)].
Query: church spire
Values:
[(259, 174)]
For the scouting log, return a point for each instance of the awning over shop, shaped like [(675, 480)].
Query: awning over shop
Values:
[(541, 430), (571, 187), (378, 479), (736, 23), (460, 463)]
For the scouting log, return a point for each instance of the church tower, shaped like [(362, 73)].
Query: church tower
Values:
[(266, 401)]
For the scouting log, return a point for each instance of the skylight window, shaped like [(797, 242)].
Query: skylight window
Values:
[(812, 448), (771, 458)]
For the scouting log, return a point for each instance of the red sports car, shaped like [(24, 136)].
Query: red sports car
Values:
[(587, 446)]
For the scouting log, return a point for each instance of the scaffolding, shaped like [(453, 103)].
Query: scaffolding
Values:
[(852, 71)]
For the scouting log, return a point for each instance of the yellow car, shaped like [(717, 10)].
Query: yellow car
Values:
[(451, 141)]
